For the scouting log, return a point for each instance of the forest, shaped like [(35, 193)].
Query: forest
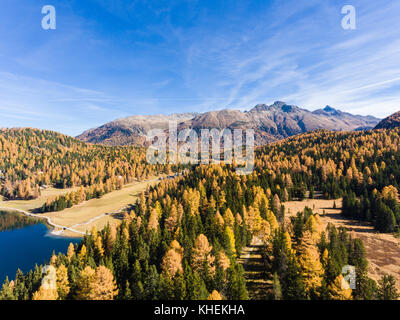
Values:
[(31, 159), (362, 167), (183, 238)]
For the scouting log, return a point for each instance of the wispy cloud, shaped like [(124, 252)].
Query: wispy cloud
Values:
[(112, 59), (353, 70)]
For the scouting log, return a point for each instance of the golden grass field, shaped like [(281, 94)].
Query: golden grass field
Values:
[(29, 205), (102, 210), (82, 217), (383, 250)]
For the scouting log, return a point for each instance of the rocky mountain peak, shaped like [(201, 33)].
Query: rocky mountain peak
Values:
[(270, 123), (330, 109)]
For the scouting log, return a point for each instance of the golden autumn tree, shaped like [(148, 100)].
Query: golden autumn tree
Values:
[(153, 221), (238, 219), (99, 246), (229, 218), (48, 287), (102, 285), (53, 260), (82, 254), (288, 243), (94, 233), (96, 284), (253, 220), (390, 192), (172, 261), (201, 255), (276, 202), (111, 236), (315, 226), (214, 295), (310, 265), (230, 238), (219, 220), (45, 294), (191, 198), (70, 251), (265, 231), (273, 222), (142, 203), (83, 283), (172, 220), (339, 289), (62, 281), (223, 261)]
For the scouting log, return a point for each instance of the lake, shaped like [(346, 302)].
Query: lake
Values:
[(25, 241)]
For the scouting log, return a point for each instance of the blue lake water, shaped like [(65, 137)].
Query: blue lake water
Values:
[(22, 246)]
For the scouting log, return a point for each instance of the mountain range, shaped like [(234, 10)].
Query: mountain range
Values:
[(270, 123)]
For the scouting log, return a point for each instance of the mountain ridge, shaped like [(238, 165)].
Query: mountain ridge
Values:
[(390, 122), (270, 123)]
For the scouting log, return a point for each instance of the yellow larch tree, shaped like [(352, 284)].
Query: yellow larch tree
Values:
[(172, 261), (223, 261), (82, 254), (219, 220), (102, 285), (229, 218), (214, 296), (231, 238), (311, 267), (70, 251), (62, 281), (45, 294), (340, 289), (201, 255), (83, 283), (153, 220)]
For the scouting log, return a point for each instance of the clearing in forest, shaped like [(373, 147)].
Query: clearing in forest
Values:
[(99, 212), (82, 217), (383, 249), (28, 205)]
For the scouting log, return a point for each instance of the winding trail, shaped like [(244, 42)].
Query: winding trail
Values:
[(96, 218), (110, 204)]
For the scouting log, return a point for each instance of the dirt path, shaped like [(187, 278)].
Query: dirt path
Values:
[(79, 219), (252, 261), (48, 219)]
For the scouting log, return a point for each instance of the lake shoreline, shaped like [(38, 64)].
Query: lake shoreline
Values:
[(47, 222), (26, 241)]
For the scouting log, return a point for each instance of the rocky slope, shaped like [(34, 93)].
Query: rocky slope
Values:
[(270, 123), (131, 130), (390, 122)]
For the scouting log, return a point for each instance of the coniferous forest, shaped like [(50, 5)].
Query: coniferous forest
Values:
[(31, 159), (183, 238)]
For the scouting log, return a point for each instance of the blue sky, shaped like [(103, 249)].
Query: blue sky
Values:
[(109, 59)]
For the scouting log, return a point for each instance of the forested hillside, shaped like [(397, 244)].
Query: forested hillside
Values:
[(31, 159), (183, 238), (363, 167), (393, 121)]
